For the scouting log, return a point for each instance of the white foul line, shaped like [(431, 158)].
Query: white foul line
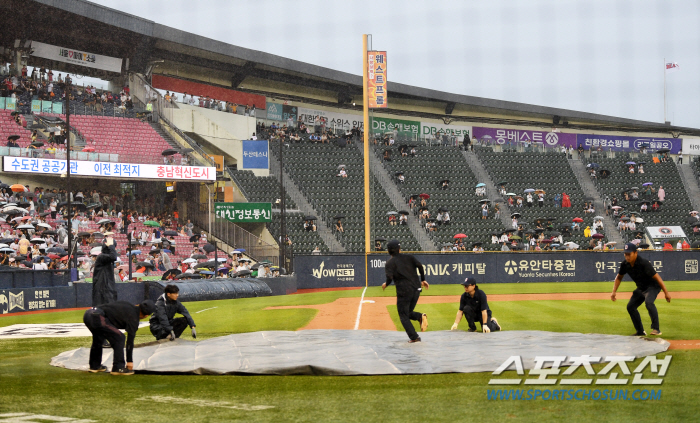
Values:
[(359, 309), (211, 308)]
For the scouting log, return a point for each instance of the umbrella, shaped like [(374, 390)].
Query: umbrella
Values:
[(207, 264), (209, 248), (529, 232), (546, 241), (555, 233), (182, 276), (663, 150), (510, 230), (169, 273), (170, 233), (226, 269), (630, 163), (605, 173), (83, 234), (7, 250), (644, 245), (44, 225), (515, 237), (511, 193), (646, 184), (598, 236), (37, 240), (310, 217), (398, 173), (133, 252), (625, 219), (103, 221), (424, 196), (540, 191), (529, 190), (503, 183), (485, 200), (244, 272), (480, 184), (37, 144), (404, 212), (476, 244), (26, 226), (155, 251), (152, 223), (577, 220), (13, 137), (515, 215), (145, 264), (341, 166), (443, 209), (17, 188), (169, 152), (339, 216), (598, 218), (380, 239), (199, 256), (189, 260), (616, 207), (89, 149), (611, 243), (96, 251), (194, 238), (445, 180), (593, 165), (392, 213), (458, 236)]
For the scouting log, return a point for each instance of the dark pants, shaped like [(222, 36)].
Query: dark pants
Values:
[(179, 324), (102, 329), (473, 315), (405, 306), (647, 297)]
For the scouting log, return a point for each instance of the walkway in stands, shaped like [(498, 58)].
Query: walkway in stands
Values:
[(491, 192), (690, 183)]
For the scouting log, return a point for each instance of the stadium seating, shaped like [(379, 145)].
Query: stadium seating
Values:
[(8, 127)]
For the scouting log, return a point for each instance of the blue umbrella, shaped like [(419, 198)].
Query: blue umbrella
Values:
[(631, 163), (134, 252), (646, 184), (529, 190), (481, 184), (206, 272)]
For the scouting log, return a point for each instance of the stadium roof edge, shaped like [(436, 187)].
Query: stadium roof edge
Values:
[(157, 31)]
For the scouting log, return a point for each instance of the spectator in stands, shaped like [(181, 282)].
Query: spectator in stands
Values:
[(540, 199), (309, 226), (661, 194), (342, 173), (339, 226), (529, 199)]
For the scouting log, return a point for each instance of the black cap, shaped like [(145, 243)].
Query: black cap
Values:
[(393, 245), (469, 281), (630, 247), (147, 307)]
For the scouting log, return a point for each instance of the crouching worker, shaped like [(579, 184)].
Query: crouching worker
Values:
[(473, 307), (104, 321), (163, 322)]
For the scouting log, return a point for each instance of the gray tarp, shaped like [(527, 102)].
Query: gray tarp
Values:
[(365, 352)]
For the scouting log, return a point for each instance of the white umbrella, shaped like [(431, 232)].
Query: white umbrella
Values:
[(96, 251), (84, 258), (44, 225), (26, 226), (222, 259), (189, 260), (4, 246)]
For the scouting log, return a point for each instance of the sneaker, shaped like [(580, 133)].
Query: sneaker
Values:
[(100, 369), (471, 330), (642, 333), (106, 344), (656, 332), (122, 372), (493, 319), (424, 323), (411, 341)]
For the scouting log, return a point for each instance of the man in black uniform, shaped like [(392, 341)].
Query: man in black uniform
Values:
[(163, 322), (401, 268), (104, 321), (104, 288), (649, 284), (474, 307)]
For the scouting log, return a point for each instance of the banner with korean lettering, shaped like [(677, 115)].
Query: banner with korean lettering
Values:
[(432, 128), (76, 57), (274, 111), (108, 169), (510, 136), (256, 154), (333, 120), (376, 86), (244, 212), (290, 112), (625, 143), (691, 146), (405, 128)]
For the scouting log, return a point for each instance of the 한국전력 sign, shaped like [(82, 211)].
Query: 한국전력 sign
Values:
[(244, 212)]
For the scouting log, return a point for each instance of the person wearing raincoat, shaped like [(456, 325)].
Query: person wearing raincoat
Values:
[(587, 232), (104, 289)]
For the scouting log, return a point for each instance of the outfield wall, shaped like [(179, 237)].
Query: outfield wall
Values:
[(329, 271)]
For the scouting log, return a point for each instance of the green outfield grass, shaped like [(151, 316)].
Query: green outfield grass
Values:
[(30, 384)]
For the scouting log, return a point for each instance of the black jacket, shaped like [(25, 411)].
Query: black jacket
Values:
[(104, 289), (123, 315), (401, 269), (165, 313)]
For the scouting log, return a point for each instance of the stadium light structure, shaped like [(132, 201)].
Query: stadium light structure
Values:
[(283, 215), (211, 235), (69, 194)]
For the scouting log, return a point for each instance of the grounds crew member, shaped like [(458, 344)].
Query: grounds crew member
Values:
[(104, 289), (104, 321), (163, 322), (401, 268), (649, 284), (474, 307)]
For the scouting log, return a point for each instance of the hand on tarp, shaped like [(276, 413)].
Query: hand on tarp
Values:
[(194, 332), (485, 328), (454, 327), (171, 336)]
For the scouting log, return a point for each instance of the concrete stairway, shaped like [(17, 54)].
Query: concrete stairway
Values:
[(397, 200), (690, 183), (589, 190), (491, 191), (304, 206), (165, 135)]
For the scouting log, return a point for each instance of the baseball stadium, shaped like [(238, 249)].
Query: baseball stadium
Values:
[(251, 237)]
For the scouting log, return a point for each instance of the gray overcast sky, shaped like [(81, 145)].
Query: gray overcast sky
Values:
[(601, 56)]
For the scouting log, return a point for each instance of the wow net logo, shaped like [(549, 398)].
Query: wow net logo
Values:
[(342, 271)]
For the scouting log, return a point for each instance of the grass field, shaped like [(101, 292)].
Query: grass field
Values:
[(29, 384)]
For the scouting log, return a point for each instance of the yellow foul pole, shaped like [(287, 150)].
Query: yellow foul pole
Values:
[(367, 126)]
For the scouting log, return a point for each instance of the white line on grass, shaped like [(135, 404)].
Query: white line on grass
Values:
[(359, 309), (211, 308), (205, 403)]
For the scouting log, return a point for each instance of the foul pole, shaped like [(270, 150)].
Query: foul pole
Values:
[(367, 125)]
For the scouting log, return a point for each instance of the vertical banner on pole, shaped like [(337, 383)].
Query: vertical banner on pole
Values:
[(376, 79)]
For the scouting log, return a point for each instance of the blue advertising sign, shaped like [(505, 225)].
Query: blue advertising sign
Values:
[(329, 271), (256, 154), (622, 143), (274, 111)]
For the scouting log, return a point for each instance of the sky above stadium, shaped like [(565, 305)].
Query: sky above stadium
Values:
[(599, 56)]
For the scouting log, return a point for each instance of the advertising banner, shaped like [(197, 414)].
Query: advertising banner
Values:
[(274, 111), (290, 112), (671, 232), (453, 268), (376, 86), (333, 120), (2, 102), (14, 300), (57, 108), (691, 146), (36, 106), (105, 169), (256, 154), (622, 143), (329, 271), (510, 136), (10, 103), (244, 212), (405, 128), (431, 128), (76, 57), (46, 106)]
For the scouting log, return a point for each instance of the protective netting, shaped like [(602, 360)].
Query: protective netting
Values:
[(364, 352)]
